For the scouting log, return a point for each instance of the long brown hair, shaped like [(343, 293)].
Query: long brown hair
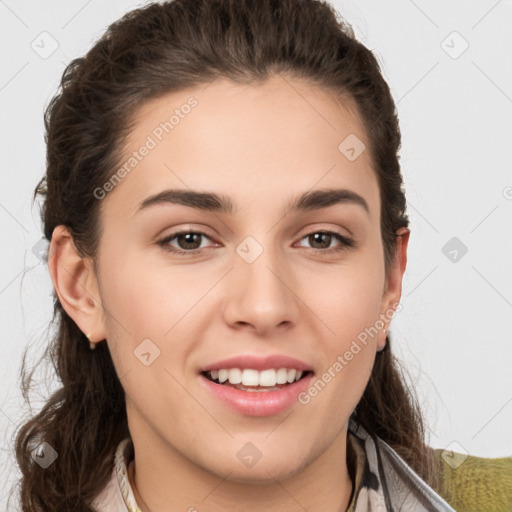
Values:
[(157, 49)]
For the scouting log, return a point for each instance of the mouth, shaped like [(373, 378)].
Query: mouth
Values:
[(251, 380), (252, 392)]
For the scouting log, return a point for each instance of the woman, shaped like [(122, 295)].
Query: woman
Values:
[(192, 153)]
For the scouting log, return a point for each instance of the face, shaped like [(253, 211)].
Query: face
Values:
[(255, 285)]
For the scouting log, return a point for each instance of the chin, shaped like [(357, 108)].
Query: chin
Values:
[(261, 472), (264, 476)]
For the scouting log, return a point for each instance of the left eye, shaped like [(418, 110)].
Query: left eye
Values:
[(330, 235), (189, 239)]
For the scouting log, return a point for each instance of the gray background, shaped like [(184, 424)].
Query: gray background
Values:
[(455, 107)]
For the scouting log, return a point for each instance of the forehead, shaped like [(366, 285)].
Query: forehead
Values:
[(259, 142)]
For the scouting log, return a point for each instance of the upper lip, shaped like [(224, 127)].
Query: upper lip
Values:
[(258, 362)]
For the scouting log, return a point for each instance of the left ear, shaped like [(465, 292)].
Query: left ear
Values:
[(393, 291)]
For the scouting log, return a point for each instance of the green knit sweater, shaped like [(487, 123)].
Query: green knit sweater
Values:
[(475, 484)]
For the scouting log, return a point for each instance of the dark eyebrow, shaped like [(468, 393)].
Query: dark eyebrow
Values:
[(209, 201), (323, 198)]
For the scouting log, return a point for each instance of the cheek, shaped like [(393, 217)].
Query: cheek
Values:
[(350, 306), (349, 299), (151, 311), (349, 353), (146, 302), (148, 316)]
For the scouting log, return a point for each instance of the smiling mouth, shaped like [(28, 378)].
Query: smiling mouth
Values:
[(256, 381)]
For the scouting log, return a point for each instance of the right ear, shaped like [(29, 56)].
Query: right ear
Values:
[(76, 284)]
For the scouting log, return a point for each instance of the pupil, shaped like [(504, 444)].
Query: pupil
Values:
[(187, 242), (316, 236)]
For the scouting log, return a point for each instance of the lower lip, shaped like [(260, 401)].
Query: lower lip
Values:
[(257, 403)]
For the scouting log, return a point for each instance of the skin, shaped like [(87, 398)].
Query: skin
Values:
[(261, 145)]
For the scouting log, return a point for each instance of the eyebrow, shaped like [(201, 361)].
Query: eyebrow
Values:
[(209, 201)]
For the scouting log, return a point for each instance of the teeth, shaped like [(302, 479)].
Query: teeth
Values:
[(291, 375), (282, 376), (267, 378), (235, 376), (249, 377)]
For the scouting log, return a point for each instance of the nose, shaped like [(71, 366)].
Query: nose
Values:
[(260, 294)]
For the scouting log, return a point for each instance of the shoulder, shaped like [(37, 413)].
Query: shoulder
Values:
[(474, 484)]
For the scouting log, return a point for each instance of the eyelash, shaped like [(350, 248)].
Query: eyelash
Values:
[(346, 243)]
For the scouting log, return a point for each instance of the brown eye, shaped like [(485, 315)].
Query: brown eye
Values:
[(188, 242), (322, 240)]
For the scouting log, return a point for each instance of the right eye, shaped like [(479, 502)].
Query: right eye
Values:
[(185, 239)]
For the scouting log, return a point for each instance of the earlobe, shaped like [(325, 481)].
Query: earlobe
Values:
[(76, 285), (393, 291)]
